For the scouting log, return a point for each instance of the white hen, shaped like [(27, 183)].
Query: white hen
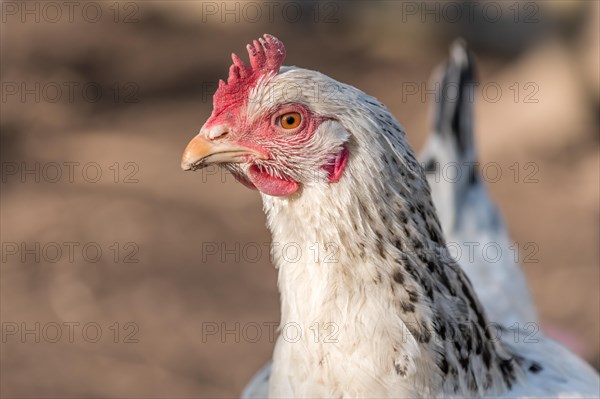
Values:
[(469, 218), (338, 173)]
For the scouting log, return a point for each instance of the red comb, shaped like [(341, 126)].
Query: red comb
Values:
[(266, 55)]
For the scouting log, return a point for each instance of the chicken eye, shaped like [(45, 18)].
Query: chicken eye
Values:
[(290, 120)]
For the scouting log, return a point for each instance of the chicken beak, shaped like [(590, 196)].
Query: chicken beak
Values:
[(201, 152)]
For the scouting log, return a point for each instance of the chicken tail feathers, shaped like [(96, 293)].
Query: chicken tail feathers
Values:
[(453, 110)]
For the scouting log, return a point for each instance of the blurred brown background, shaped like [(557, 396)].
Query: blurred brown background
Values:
[(118, 88)]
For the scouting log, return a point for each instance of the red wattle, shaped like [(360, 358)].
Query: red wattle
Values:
[(271, 185)]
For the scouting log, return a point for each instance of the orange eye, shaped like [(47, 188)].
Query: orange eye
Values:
[(290, 120)]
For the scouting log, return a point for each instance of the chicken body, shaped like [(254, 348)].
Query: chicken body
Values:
[(394, 314)]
